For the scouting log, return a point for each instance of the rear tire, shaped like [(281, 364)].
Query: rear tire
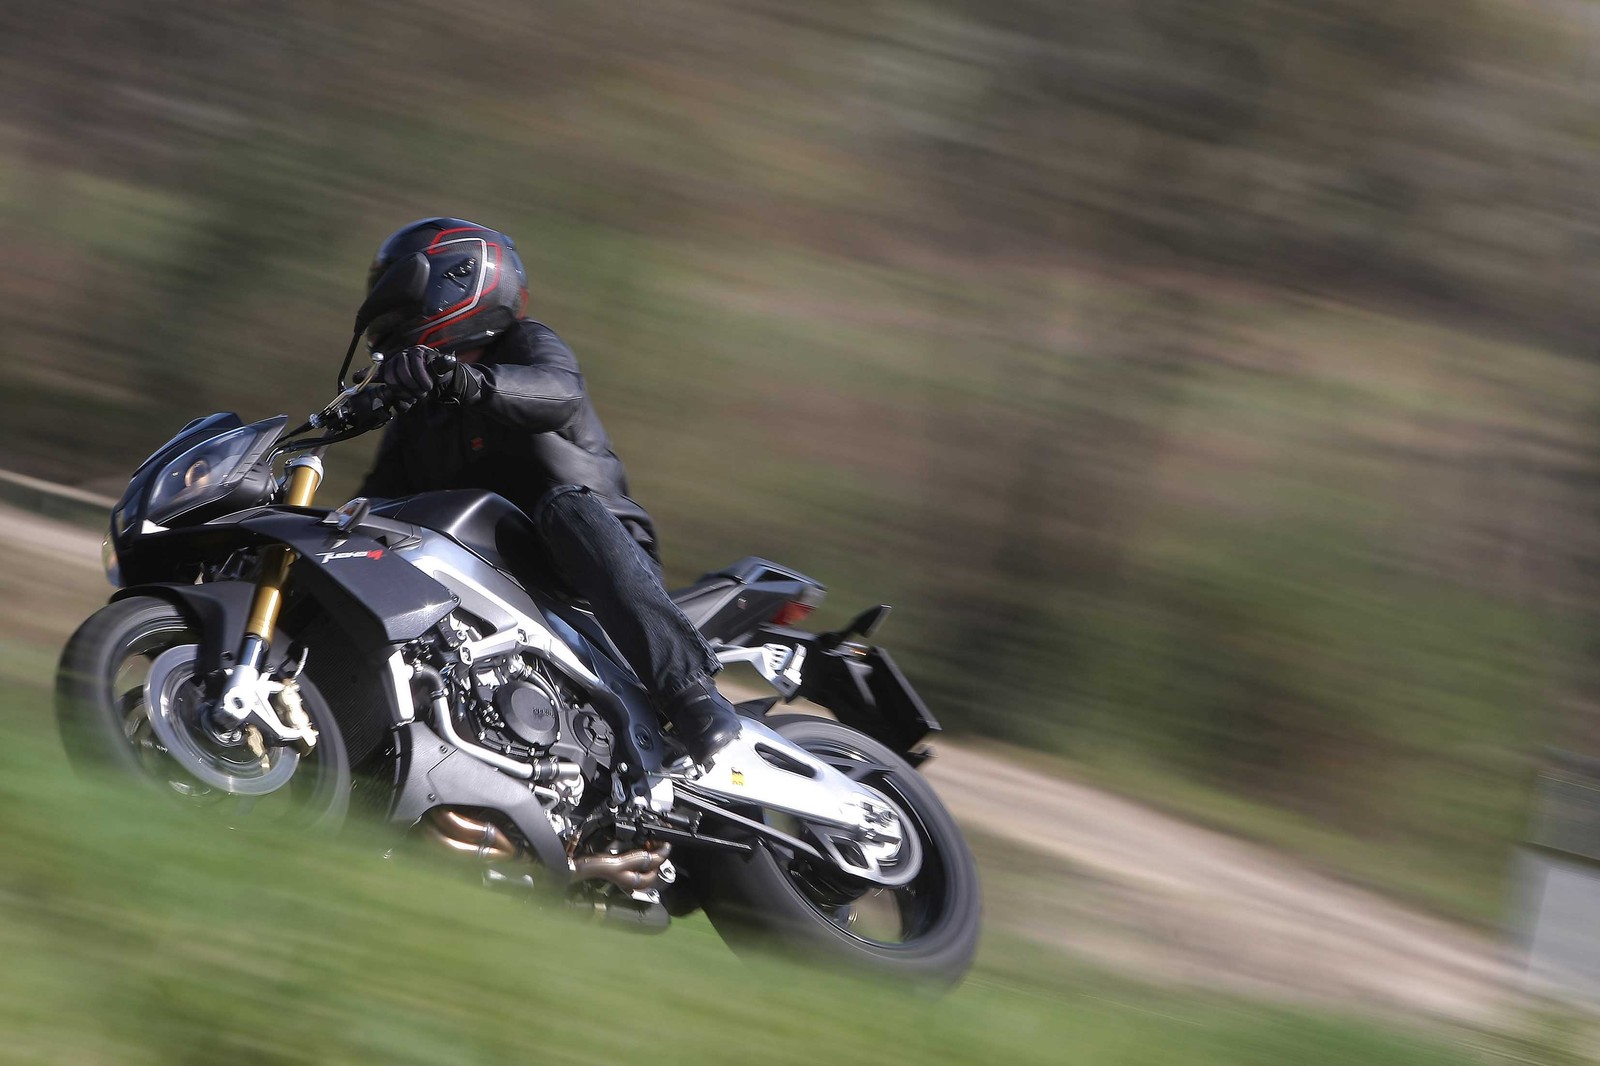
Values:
[(105, 728), (771, 898)]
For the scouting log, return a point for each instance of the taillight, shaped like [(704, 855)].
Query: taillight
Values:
[(792, 613)]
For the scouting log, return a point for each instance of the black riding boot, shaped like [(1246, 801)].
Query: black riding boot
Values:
[(702, 719)]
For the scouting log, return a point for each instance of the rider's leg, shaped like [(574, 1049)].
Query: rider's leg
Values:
[(606, 566)]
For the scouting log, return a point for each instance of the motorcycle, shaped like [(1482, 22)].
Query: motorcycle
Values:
[(271, 661)]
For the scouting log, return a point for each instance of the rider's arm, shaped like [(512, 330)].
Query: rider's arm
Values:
[(541, 395)]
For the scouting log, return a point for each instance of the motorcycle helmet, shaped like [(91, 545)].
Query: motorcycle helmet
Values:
[(475, 290)]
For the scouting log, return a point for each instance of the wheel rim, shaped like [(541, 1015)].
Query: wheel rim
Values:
[(174, 705), (297, 793), (887, 918)]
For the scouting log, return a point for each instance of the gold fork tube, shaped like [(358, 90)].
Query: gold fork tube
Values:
[(275, 563), (305, 474)]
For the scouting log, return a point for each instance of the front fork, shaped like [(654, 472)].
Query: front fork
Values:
[(246, 695)]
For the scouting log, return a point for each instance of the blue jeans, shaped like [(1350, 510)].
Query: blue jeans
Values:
[(595, 555)]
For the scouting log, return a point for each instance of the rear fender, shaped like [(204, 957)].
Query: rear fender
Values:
[(863, 688)]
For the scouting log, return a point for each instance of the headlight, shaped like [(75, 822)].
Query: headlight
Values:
[(203, 473)]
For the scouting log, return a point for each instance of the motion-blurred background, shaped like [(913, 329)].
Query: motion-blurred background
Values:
[(1211, 384)]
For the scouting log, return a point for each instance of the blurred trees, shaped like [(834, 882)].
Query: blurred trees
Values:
[(1211, 382)]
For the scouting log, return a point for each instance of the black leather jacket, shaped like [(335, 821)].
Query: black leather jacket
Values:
[(532, 428)]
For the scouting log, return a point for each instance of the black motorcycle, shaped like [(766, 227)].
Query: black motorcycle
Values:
[(278, 662)]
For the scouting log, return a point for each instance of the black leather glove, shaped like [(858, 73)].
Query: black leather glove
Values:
[(407, 376), (415, 373), (369, 409)]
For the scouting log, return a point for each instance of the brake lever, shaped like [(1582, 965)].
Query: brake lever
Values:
[(337, 415)]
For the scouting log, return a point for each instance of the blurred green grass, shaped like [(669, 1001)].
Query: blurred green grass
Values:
[(131, 934)]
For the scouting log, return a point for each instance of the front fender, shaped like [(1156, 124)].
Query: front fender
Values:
[(353, 677), (218, 610)]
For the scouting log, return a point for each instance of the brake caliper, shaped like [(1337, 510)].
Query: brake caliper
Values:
[(286, 701)]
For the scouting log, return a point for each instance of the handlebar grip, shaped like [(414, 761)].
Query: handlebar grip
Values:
[(369, 408)]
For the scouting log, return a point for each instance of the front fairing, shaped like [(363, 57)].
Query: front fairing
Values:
[(129, 511), (249, 484)]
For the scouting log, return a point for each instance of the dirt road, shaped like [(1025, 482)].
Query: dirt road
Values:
[(1151, 894), (1138, 890)]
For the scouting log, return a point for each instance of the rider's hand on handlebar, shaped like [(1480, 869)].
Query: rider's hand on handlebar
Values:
[(407, 376), (418, 372), (368, 409)]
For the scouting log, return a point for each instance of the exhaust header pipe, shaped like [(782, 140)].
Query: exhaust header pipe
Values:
[(469, 836), (635, 871)]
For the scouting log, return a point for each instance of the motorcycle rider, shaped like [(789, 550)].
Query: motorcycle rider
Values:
[(510, 415)]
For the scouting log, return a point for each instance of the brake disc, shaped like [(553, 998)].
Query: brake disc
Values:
[(174, 704)]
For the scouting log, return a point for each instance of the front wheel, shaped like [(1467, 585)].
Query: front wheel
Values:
[(925, 929), (103, 712)]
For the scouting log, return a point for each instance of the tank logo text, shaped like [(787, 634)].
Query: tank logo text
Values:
[(329, 557)]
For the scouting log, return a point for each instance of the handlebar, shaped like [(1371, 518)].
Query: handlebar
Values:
[(358, 408)]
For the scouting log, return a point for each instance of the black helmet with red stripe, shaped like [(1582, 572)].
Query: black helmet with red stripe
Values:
[(475, 290)]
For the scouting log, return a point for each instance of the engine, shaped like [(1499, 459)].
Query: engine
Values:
[(514, 708), (523, 715), (518, 707)]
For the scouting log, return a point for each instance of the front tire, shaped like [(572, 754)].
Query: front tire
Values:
[(105, 727), (926, 930)]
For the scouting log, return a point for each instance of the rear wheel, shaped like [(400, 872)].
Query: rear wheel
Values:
[(926, 928), (106, 724)]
